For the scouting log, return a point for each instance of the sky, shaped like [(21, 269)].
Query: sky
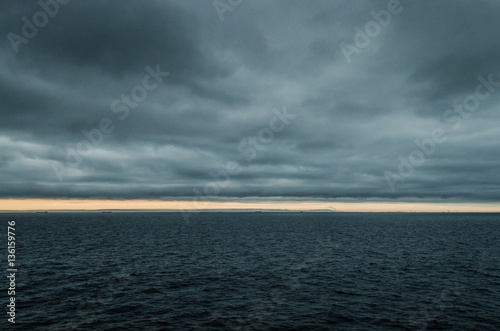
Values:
[(190, 104)]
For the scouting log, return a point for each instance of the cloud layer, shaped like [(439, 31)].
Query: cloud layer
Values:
[(357, 114)]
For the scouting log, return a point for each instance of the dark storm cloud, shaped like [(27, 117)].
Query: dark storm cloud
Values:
[(353, 121)]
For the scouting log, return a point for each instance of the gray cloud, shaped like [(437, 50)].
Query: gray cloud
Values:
[(353, 120)]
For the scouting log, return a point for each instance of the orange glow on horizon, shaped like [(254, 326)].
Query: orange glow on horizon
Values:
[(82, 205)]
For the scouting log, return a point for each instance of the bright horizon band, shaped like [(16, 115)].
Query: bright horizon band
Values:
[(81, 205)]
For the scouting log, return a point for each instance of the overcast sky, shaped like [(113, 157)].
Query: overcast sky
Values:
[(334, 112)]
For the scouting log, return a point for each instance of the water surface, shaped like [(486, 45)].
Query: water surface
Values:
[(257, 271)]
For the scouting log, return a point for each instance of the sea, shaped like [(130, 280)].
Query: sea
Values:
[(254, 271)]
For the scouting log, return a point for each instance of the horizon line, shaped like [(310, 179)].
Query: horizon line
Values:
[(54, 205), (235, 211)]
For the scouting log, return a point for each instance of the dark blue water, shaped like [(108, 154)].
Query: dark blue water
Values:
[(248, 271)]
